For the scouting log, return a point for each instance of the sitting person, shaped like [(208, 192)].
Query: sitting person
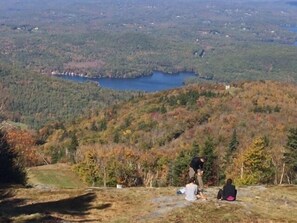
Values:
[(228, 193), (191, 191)]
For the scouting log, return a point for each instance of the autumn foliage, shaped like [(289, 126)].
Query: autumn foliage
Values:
[(145, 140), (118, 164), (24, 143)]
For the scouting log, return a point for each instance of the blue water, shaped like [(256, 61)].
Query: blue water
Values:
[(158, 81), (294, 30)]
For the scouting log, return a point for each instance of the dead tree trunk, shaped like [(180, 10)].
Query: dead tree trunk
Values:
[(282, 175)]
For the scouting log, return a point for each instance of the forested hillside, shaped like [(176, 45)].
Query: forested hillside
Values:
[(239, 111), (246, 131), (36, 99)]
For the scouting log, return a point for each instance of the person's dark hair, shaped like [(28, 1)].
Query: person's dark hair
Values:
[(192, 180), (229, 181)]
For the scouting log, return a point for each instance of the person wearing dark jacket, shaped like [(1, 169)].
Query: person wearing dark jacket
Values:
[(228, 192), (196, 168)]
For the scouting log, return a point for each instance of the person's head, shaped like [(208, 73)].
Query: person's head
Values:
[(229, 181), (192, 180)]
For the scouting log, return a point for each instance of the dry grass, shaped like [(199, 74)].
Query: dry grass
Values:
[(255, 204), (47, 204), (79, 205)]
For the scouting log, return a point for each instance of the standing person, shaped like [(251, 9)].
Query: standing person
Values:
[(196, 167), (191, 191), (228, 193)]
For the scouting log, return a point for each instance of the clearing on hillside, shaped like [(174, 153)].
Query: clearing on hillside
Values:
[(54, 176)]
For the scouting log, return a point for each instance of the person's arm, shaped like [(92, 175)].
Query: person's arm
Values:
[(234, 191), (196, 190), (201, 195), (224, 193), (200, 168)]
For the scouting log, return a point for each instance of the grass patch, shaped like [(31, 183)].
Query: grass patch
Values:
[(60, 176)]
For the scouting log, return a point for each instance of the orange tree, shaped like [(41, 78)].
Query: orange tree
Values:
[(24, 143)]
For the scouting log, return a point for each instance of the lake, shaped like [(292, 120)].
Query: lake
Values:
[(158, 81), (294, 30)]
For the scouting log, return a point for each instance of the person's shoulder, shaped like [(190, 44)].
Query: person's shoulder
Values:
[(195, 158)]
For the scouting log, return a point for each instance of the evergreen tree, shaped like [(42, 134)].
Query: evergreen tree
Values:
[(210, 174), (102, 125), (180, 166), (11, 171), (233, 145), (232, 148), (73, 147), (291, 154), (74, 143), (116, 136), (195, 149)]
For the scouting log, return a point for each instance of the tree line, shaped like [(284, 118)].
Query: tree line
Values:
[(100, 165)]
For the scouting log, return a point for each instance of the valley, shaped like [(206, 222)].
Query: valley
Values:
[(240, 40), (218, 79)]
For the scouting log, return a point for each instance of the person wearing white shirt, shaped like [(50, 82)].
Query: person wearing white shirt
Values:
[(191, 191)]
